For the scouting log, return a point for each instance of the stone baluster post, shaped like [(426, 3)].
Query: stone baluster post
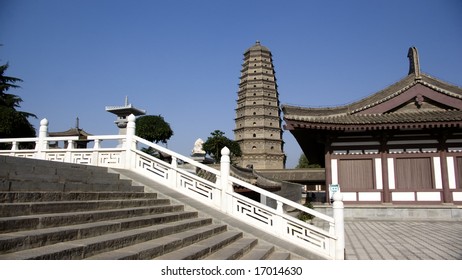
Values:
[(129, 143), (226, 187), (42, 143), (339, 226)]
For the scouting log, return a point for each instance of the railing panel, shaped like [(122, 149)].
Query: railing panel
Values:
[(308, 237), (201, 190), (56, 156), (155, 168), (251, 212), (110, 158)]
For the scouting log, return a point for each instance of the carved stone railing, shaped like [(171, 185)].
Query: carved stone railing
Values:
[(219, 195)]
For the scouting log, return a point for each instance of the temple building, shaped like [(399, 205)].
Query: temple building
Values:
[(258, 116), (82, 135), (401, 145)]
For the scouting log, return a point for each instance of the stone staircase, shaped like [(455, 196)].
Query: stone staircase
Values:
[(51, 210)]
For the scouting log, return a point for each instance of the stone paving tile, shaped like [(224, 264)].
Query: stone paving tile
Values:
[(402, 240)]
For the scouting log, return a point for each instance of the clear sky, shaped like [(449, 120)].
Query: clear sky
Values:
[(182, 59)]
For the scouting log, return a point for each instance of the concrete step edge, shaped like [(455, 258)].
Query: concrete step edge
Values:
[(31, 208), (203, 248), (14, 197), (234, 250)]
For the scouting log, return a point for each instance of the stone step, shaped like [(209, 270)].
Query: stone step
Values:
[(234, 250), (280, 256), (84, 248), (45, 173), (32, 208), (203, 248), (7, 185), (157, 247), (259, 252), (18, 163), (12, 197), (11, 224), (19, 174), (22, 240)]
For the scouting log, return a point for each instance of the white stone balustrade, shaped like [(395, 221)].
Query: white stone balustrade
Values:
[(219, 194)]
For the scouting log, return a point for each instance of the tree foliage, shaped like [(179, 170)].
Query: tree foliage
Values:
[(213, 145), (304, 163), (153, 128), (13, 123)]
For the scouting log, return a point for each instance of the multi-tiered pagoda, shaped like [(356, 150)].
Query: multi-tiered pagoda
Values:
[(258, 117)]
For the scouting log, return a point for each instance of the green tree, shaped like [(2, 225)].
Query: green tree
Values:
[(153, 128), (304, 163), (14, 123), (218, 141)]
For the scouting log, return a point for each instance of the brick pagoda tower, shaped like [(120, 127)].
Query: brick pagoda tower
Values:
[(258, 116)]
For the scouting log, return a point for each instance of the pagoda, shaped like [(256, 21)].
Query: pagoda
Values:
[(258, 117)]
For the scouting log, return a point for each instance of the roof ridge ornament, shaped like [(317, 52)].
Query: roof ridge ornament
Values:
[(414, 65)]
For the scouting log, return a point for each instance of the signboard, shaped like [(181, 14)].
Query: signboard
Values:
[(333, 188)]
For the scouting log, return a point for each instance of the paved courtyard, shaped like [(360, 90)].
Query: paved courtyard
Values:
[(403, 240)]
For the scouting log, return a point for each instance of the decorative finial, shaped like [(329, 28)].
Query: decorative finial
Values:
[(414, 66), (257, 42), (77, 123), (126, 101)]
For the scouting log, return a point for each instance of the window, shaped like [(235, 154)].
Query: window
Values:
[(414, 173), (356, 174)]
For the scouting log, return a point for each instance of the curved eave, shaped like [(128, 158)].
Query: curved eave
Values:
[(295, 125)]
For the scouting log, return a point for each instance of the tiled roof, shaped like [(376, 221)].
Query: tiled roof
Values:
[(414, 117), (71, 132), (350, 115), (257, 47)]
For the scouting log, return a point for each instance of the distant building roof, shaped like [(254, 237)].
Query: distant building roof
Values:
[(72, 132), (75, 131)]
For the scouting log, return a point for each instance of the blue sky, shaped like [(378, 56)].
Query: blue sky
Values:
[(182, 59)]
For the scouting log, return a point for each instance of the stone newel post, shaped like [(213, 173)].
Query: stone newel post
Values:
[(225, 166), (339, 226), (42, 143), (129, 142)]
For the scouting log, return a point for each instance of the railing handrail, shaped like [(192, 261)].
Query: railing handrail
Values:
[(20, 140)]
